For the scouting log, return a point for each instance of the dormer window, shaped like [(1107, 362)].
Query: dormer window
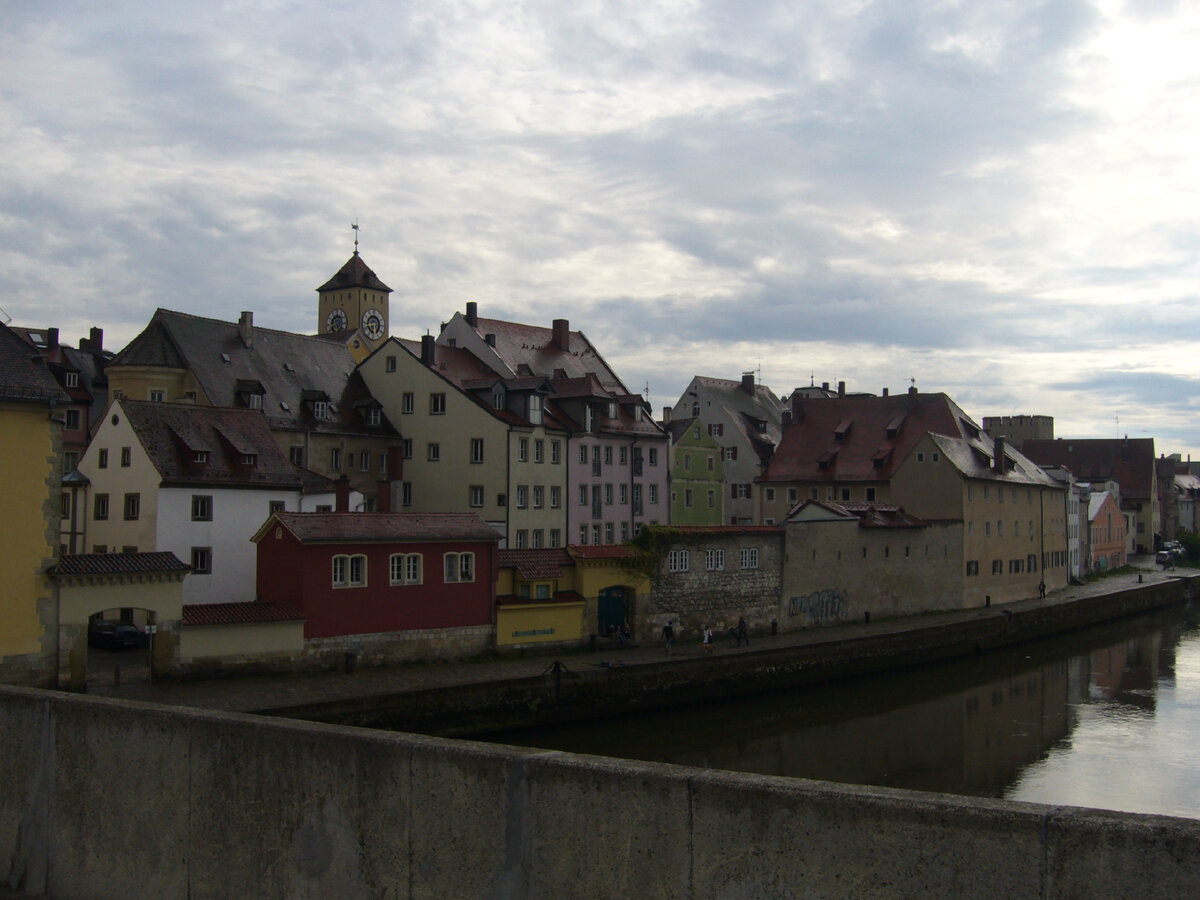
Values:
[(373, 416), (254, 401), (498, 398), (320, 409), (249, 459), (589, 416), (612, 409), (535, 409), (200, 457), (71, 379)]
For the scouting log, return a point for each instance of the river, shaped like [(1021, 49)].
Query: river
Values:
[(1106, 718)]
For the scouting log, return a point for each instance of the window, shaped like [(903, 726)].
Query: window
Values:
[(539, 496), (476, 493), (539, 538), (434, 452), (71, 379), (637, 499), (296, 455), (390, 364), (372, 416), (100, 507), (335, 459), (364, 461), (70, 460), (712, 499), (934, 456), (556, 452), (64, 500), (678, 560), (522, 539), (999, 528), (407, 403), (555, 496), (358, 570), (158, 396), (555, 537), (583, 456), (654, 493), (522, 496), (608, 495), (1016, 566), (202, 508), (202, 560), (596, 533), (624, 531), (972, 567), (987, 528), (133, 506), (583, 495), (539, 451), (276, 506), (340, 565), (406, 448), (621, 494), (749, 557), (102, 458), (404, 568), (716, 429), (459, 567), (709, 460), (845, 494), (714, 560), (687, 497), (200, 456), (126, 457), (654, 456), (73, 419), (583, 534), (406, 493), (320, 409), (608, 455), (535, 409), (791, 495), (523, 450), (768, 495), (608, 532), (870, 495), (437, 404), (920, 457), (687, 461), (997, 567), (729, 453), (623, 455)]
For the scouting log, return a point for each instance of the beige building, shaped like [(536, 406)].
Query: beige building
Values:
[(473, 441)]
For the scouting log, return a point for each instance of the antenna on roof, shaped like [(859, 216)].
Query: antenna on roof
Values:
[(913, 382), (355, 227)]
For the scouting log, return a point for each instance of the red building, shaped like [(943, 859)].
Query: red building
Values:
[(366, 573)]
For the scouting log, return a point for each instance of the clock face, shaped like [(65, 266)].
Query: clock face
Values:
[(336, 321), (372, 323)]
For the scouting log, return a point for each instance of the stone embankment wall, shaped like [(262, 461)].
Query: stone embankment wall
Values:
[(106, 798)]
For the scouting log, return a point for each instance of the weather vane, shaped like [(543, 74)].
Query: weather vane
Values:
[(354, 225)]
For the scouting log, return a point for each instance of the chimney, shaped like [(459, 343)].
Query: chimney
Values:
[(841, 389), (490, 340), (342, 493), (666, 415), (51, 338), (998, 453), (912, 397), (95, 343), (246, 328), (797, 407), (885, 392), (748, 383), (472, 313), (824, 385), (562, 334), (427, 349)]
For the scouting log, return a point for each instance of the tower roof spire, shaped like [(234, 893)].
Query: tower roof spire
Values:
[(355, 227)]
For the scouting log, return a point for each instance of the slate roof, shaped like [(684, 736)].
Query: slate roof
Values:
[(356, 527), (975, 456), (749, 411), (102, 564), (293, 369), (239, 613), (24, 377), (172, 433), (533, 346), (1096, 502), (1129, 462), (876, 436), (355, 273), (869, 515), (532, 564)]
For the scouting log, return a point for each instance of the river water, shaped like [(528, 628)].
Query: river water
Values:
[(1106, 718)]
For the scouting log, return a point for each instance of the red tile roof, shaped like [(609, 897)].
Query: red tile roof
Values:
[(1129, 462), (91, 564), (726, 529), (357, 527), (239, 613), (531, 564), (602, 551), (869, 515)]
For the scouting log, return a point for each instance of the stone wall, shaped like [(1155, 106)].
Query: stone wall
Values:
[(699, 596), (298, 810)]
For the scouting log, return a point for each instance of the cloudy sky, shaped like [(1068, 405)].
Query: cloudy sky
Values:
[(999, 200)]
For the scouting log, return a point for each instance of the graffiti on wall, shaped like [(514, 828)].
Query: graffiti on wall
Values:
[(819, 606)]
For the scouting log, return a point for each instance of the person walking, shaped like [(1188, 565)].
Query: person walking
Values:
[(668, 634), (708, 640), (741, 634)]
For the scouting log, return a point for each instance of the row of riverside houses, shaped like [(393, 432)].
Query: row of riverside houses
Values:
[(517, 488)]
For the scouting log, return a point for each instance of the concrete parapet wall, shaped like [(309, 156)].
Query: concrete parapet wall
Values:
[(223, 805)]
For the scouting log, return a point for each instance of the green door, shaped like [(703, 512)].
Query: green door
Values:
[(611, 609)]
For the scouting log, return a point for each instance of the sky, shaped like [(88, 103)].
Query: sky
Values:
[(995, 200)]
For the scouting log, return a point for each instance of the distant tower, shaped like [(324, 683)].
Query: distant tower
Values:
[(354, 300)]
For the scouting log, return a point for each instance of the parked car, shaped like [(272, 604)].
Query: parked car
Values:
[(113, 635), (1165, 558), (1174, 547)]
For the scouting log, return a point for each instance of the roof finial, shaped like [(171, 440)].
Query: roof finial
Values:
[(355, 227)]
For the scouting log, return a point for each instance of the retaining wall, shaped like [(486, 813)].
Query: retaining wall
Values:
[(105, 798)]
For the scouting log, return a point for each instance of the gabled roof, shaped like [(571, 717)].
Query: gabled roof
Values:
[(104, 564), (974, 457), (872, 447), (533, 564), (355, 273), (355, 527), (24, 377), (1128, 462), (173, 433), (533, 347), (869, 515), (758, 415), (1096, 501), (288, 366)]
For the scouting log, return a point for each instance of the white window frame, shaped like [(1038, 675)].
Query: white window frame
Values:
[(749, 557), (458, 568), (678, 560), (714, 560)]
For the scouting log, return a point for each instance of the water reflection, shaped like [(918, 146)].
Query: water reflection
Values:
[(1104, 718)]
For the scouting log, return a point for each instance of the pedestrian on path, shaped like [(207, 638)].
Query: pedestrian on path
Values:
[(668, 634), (708, 640)]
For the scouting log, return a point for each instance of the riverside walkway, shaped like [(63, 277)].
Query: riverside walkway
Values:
[(254, 693)]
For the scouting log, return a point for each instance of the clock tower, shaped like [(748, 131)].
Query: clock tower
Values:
[(353, 305)]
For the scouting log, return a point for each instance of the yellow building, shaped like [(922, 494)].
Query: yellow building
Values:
[(30, 458)]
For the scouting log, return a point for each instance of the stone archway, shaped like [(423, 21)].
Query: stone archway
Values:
[(615, 606)]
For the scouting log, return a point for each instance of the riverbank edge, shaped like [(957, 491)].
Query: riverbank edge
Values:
[(569, 693)]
